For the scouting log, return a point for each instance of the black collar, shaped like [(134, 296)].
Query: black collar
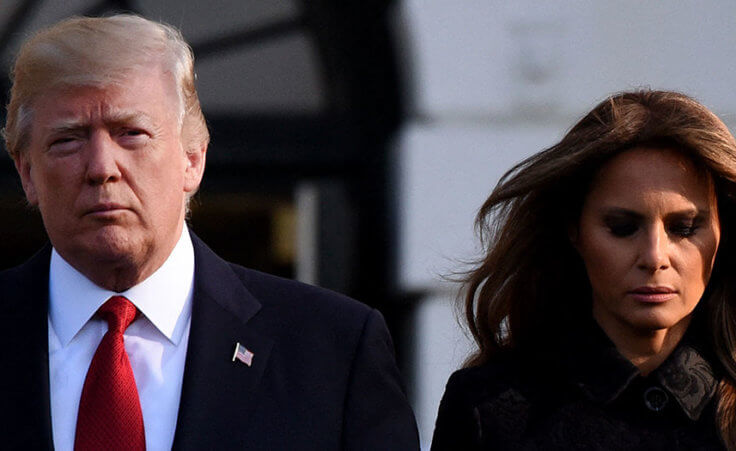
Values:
[(689, 378), (603, 374)]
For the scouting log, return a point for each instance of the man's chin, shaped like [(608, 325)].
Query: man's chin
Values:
[(106, 245)]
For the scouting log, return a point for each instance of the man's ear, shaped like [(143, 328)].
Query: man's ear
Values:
[(23, 166), (194, 170)]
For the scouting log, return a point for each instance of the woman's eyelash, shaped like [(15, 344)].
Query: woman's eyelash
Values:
[(683, 229), (623, 229)]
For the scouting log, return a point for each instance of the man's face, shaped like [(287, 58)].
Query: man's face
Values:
[(107, 169)]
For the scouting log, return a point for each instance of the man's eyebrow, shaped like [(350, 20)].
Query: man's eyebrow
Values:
[(123, 117), (65, 125), (114, 117)]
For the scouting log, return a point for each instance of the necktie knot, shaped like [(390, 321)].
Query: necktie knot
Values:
[(118, 312), (110, 415)]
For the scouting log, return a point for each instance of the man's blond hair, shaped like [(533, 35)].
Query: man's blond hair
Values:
[(100, 52)]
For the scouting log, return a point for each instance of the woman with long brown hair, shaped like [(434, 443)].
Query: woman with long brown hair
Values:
[(603, 309)]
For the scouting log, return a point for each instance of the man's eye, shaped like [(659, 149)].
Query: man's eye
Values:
[(64, 145), (132, 132), (63, 140), (132, 137)]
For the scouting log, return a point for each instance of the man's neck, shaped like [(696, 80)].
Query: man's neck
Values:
[(119, 271)]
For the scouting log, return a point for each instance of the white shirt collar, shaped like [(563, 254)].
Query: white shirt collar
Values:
[(165, 297)]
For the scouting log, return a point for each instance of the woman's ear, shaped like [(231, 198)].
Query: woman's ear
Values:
[(572, 235)]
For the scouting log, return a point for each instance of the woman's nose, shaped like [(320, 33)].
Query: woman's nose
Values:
[(653, 251)]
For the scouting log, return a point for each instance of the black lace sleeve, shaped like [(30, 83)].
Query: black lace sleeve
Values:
[(457, 426)]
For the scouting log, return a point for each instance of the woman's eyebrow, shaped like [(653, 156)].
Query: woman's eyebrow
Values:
[(621, 212), (689, 212)]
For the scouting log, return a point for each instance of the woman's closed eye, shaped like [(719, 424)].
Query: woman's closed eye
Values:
[(622, 227), (684, 228)]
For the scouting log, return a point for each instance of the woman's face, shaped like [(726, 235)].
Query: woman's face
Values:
[(648, 235)]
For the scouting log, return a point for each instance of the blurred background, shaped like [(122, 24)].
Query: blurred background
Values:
[(353, 141)]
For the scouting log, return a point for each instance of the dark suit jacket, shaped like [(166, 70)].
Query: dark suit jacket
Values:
[(323, 376)]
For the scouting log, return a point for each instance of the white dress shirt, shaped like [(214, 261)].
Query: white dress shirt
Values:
[(156, 342)]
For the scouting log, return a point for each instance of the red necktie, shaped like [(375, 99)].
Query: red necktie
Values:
[(109, 411)]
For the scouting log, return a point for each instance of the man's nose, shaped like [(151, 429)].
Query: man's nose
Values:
[(654, 249), (102, 164)]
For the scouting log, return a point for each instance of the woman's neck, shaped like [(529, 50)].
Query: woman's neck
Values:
[(646, 349)]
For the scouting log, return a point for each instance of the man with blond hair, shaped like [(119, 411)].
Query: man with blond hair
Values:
[(126, 331)]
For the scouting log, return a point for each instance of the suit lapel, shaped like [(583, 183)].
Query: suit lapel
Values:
[(24, 383), (217, 393)]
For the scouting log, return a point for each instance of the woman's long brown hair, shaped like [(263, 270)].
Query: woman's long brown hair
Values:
[(513, 298)]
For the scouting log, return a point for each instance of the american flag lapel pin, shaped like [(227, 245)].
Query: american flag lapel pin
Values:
[(243, 354)]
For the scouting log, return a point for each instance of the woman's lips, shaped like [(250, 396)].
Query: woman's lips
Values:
[(653, 295)]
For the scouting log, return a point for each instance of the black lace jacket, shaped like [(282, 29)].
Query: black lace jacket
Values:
[(583, 397)]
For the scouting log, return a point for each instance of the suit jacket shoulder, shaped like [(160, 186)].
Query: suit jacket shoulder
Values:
[(294, 301), (323, 374), (24, 353)]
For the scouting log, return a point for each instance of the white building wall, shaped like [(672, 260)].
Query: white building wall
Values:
[(496, 81)]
